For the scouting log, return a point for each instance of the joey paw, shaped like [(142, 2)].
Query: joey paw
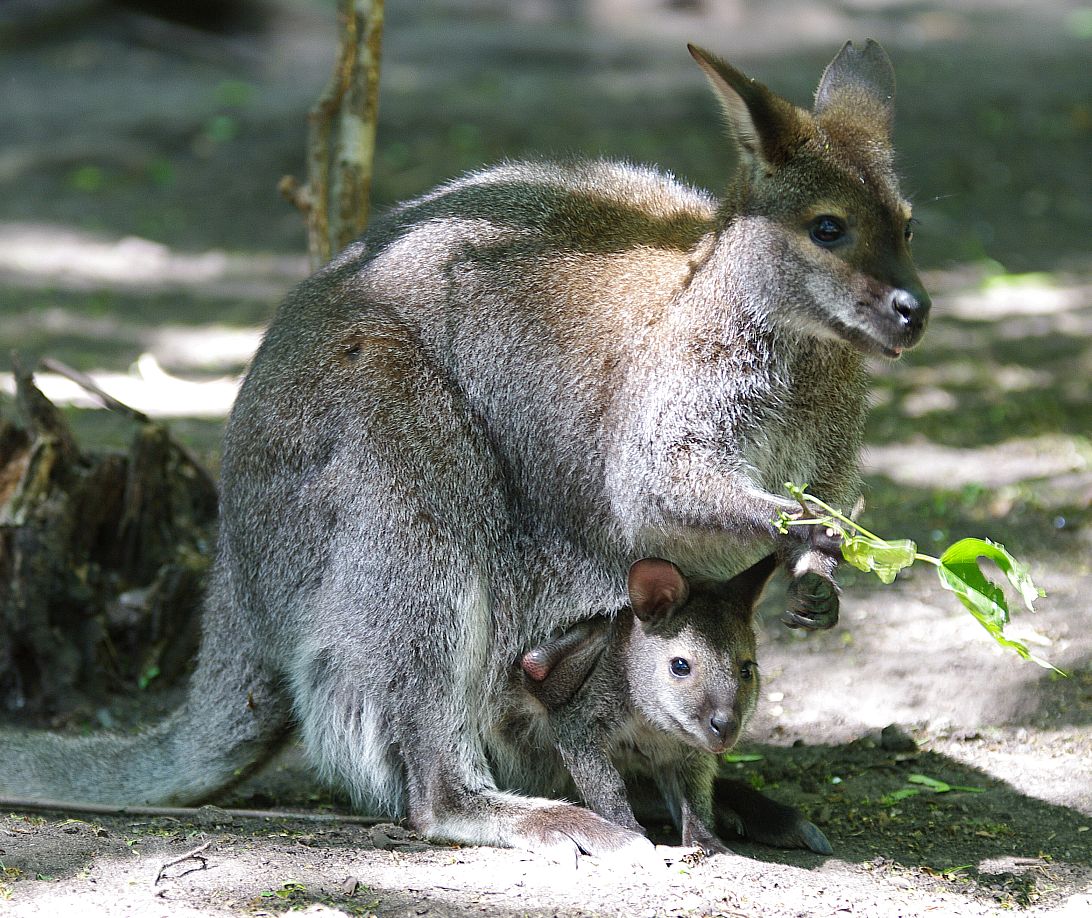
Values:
[(812, 603), (698, 836)]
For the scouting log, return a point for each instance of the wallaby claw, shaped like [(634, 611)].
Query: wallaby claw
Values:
[(812, 603)]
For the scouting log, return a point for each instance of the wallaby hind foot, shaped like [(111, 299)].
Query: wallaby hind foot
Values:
[(563, 832), (741, 811), (559, 831)]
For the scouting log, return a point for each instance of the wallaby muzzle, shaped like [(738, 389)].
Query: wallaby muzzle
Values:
[(908, 308)]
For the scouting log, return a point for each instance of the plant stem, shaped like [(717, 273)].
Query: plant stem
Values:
[(830, 511), (918, 556)]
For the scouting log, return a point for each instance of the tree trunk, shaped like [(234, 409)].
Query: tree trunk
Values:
[(341, 138), (102, 560)]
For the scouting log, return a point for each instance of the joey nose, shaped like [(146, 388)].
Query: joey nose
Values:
[(722, 724)]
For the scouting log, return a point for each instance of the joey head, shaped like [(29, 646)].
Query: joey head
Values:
[(458, 435)]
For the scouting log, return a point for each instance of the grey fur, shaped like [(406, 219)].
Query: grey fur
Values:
[(457, 436)]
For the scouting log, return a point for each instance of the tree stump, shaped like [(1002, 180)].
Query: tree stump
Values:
[(102, 560)]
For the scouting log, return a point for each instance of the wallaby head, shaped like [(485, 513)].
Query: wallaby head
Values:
[(817, 199), (691, 662)]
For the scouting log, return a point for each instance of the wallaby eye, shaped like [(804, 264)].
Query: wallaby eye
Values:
[(680, 667), (827, 230), (747, 670)]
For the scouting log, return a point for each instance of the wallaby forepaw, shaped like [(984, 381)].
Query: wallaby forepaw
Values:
[(812, 603)]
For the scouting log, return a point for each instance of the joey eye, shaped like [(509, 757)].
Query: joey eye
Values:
[(748, 669), (679, 667), (827, 230)]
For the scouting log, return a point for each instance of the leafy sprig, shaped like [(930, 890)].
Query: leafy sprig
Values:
[(957, 568)]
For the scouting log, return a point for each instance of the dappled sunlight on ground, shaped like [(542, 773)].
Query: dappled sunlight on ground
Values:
[(147, 389), (58, 257), (920, 463)]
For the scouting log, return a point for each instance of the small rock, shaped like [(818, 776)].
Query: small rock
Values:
[(871, 740), (894, 739)]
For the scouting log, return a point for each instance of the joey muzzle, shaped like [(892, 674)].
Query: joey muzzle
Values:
[(722, 727)]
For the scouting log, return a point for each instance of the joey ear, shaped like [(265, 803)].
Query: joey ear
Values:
[(748, 585), (657, 588), (859, 80), (766, 127)]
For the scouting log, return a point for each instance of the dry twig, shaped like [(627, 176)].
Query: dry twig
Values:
[(194, 855)]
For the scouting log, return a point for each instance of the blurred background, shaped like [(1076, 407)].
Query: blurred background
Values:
[(142, 238)]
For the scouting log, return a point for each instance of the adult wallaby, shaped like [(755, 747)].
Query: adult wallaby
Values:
[(658, 691), (457, 436)]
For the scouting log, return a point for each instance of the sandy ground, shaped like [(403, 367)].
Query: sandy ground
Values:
[(138, 219)]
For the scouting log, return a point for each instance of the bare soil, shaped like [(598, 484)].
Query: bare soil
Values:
[(138, 216)]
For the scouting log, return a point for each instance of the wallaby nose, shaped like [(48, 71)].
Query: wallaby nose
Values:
[(912, 308)]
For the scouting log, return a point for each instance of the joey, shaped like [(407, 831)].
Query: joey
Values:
[(660, 691)]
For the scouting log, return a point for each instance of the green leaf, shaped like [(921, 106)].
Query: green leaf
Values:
[(959, 572), (963, 557), (741, 757), (901, 794), (885, 559), (943, 787), (798, 492)]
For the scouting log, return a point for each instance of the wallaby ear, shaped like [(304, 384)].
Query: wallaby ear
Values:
[(861, 81), (657, 588), (766, 127), (748, 585)]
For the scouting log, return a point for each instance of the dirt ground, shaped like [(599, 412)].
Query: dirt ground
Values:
[(141, 239)]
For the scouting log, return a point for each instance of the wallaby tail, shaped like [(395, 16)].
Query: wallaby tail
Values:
[(233, 718)]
